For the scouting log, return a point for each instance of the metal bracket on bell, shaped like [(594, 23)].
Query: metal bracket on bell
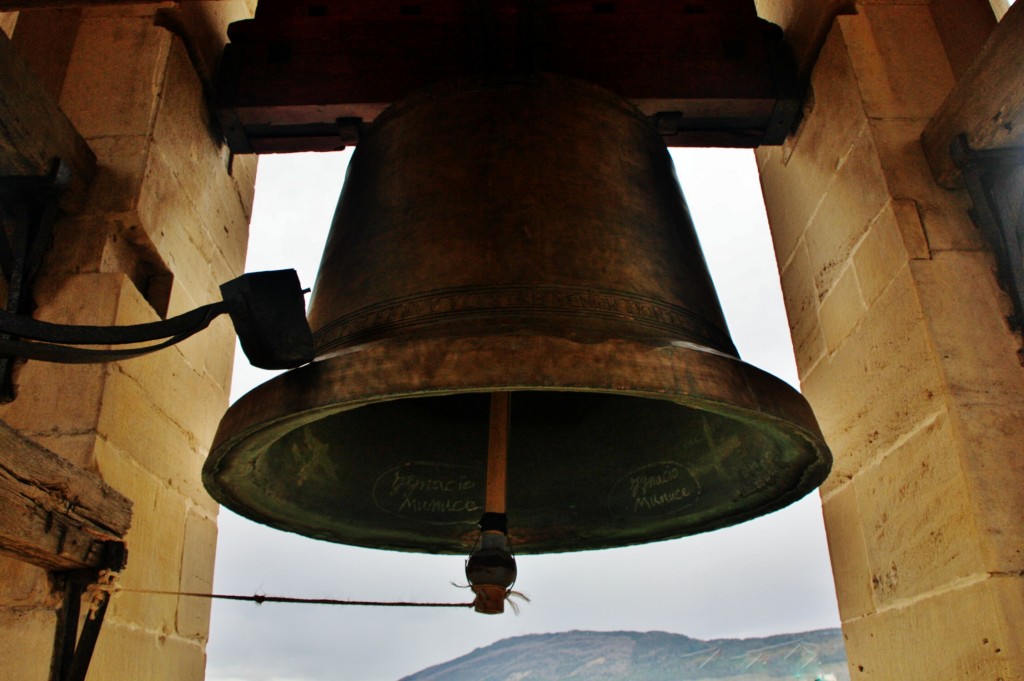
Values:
[(267, 309), (491, 568)]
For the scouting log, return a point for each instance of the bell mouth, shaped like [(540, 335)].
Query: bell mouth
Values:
[(612, 443)]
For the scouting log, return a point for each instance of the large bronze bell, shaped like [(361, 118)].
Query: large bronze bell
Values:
[(522, 234)]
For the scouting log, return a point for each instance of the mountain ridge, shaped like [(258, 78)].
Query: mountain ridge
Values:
[(648, 656)]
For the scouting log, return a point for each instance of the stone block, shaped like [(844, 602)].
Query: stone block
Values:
[(206, 25), (186, 395), (882, 382), (794, 183), (970, 633), (801, 302), (56, 399), (154, 542), (8, 20), (991, 460), (180, 234), (791, 193), (879, 255), (220, 356), (78, 448), (963, 28), (115, 75), (917, 515), (943, 213), (65, 399), (197, 576), (854, 201), (848, 552), (79, 243), (127, 652), (23, 585), (45, 39), (120, 169), (908, 219), (805, 24), (26, 637), (135, 427), (120, 10), (898, 59), (212, 350), (243, 174), (966, 313), (842, 309), (191, 153)]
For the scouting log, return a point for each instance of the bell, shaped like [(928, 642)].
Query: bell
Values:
[(520, 234)]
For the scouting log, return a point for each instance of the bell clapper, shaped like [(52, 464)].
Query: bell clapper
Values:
[(491, 568)]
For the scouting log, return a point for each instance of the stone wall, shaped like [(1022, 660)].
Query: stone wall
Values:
[(898, 324), (166, 222), (904, 351)]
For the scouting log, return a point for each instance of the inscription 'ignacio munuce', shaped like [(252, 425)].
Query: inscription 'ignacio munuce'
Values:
[(429, 492), (654, 488)]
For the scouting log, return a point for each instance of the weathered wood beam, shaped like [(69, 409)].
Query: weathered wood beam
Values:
[(34, 132), (52, 513), (987, 103), (18, 5), (710, 74)]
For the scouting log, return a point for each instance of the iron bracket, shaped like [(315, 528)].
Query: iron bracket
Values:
[(72, 654), (995, 182), (266, 308), (28, 210)]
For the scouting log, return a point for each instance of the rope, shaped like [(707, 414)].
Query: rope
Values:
[(260, 599), (106, 586)]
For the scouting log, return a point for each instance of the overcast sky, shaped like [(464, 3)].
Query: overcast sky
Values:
[(767, 576)]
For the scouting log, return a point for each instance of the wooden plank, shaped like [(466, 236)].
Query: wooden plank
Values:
[(52, 513), (987, 103), (284, 84), (34, 132), (18, 5)]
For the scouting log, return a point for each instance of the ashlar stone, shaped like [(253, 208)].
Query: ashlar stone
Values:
[(127, 652), (22, 630), (197, 575), (801, 301), (879, 255), (898, 59), (970, 632), (848, 552), (917, 516), (890, 380), (855, 199), (115, 75), (842, 309)]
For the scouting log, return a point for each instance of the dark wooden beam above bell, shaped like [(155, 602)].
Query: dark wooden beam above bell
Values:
[(306, 76)]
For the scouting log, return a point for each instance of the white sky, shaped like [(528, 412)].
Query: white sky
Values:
[(767, 576)]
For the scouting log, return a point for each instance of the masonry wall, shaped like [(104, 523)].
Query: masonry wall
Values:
[(166, 222), (898, 323), (902, 341)]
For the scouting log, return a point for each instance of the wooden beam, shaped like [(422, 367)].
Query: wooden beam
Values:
[(709, 73), (18, 5), (52, 513), (987, 103), (34, 132)]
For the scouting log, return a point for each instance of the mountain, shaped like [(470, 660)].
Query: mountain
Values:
[(649, 656)]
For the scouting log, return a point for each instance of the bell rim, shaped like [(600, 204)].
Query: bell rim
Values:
[(311, 392)]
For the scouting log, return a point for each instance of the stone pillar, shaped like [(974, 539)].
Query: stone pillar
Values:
[(902, 341), (166, 222)]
